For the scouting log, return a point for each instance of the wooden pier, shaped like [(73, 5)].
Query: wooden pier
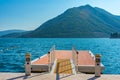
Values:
[(65, 62)]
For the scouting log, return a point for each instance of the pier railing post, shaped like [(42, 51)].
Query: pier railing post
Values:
[(77, 60), (54, 54), (97, 65), (48, 61), (75, 57), (28, 65), (51, 58)]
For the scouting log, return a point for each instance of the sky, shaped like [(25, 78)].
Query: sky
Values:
[(30, 14)]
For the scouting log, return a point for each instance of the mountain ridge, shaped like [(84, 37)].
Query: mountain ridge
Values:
[(5, 32), (82, 22)]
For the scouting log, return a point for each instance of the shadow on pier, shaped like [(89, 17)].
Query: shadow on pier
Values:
[(60, 74), (27, 77)]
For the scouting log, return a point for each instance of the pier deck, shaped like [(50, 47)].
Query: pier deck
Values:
[(84, 57), (85, 62)]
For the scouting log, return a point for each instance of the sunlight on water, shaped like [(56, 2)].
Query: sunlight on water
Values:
[(12, 51)]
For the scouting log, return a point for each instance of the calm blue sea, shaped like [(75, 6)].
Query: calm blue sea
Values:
[(12, 51)]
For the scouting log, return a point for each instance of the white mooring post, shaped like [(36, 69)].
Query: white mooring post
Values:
[(97, 65), (27, 65)]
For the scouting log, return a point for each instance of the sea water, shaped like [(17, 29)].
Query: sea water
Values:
[(13, 50)]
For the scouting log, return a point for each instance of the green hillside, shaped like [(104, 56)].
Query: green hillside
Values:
[(83, 21)]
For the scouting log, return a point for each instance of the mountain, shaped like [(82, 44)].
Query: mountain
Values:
[(6, 32), (15, 34), (84, 21)]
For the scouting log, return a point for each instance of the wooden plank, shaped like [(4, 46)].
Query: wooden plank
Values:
[(63, 66)]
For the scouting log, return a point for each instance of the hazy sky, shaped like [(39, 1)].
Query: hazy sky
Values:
[(30, 14)]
